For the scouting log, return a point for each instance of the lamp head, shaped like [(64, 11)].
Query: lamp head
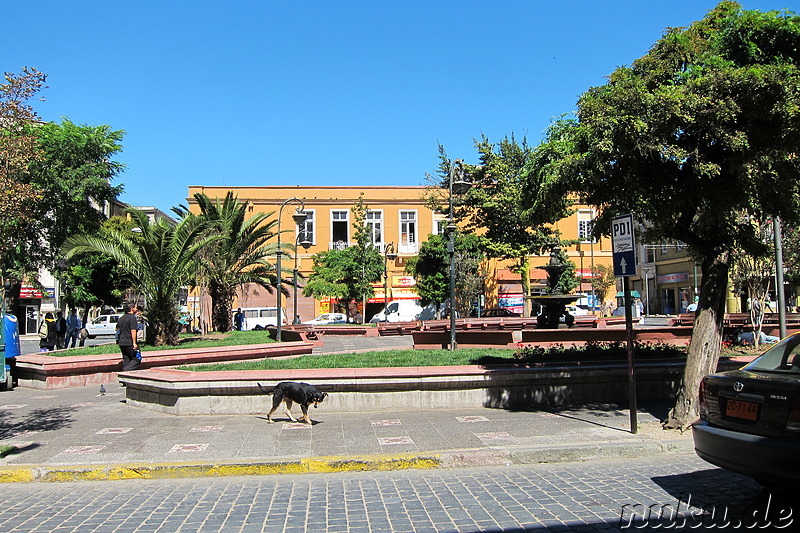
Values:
[(458, 183), (304, 241), (299, 217), (389, 251)]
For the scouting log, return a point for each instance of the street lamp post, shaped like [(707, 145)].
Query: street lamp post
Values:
[(299, 217), (646, 272), (580, 254), (388, 255), (302, 240), (457, 185)]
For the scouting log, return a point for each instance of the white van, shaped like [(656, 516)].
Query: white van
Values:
[(261, 316), (405, 311)]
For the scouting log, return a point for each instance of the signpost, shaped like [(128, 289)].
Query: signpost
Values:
[(624, 256)]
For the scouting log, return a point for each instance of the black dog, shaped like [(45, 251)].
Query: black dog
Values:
[(290, 391)]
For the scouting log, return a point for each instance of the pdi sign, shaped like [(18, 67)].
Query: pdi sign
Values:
[(623, 246)]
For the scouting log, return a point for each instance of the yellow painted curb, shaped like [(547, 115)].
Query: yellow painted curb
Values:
[(16, 475), (181, 470)]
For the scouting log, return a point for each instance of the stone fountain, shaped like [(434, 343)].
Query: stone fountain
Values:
[(554, 303)]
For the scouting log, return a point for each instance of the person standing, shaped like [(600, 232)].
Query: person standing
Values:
[(74, 326), (238, 320), (47, 334), (128, 327), (61, 331)]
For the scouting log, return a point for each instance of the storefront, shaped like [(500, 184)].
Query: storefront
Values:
[(675, 292), (32, 306)]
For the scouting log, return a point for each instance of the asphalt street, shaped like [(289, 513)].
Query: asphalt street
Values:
[(601, 495)]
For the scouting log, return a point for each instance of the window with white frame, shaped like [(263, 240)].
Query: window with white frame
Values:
[(340, 228), (408, 231), (440, 221), (585, 225), (374, 222), (307, 227)]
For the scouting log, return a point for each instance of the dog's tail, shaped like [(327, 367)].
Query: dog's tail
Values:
[(265, 390)]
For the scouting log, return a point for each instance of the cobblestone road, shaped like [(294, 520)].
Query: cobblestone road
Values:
[(581, 497)]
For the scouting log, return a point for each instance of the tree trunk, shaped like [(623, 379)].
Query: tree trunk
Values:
[(706, 342), (221, 304)]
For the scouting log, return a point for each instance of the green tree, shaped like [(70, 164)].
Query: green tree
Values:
[(19, 202), (160, 259), (348, 274), (92, 278), (603, 280), (431, 270), (691, 139), (494, 208), (72, 173), (237, 257)]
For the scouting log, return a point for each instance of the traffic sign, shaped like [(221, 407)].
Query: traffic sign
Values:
[(623, 246)]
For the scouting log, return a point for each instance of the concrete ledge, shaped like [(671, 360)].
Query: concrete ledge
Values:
[(309, 333), (184, 392), (466, 339), (41, 371), (679, 336)]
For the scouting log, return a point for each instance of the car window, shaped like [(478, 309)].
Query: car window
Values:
[(99, 320), (113, 319), (783, 357)]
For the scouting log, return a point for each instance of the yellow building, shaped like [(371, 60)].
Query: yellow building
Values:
[(398, 217)]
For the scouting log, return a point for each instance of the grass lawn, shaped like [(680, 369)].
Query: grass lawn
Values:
[(467, 356)]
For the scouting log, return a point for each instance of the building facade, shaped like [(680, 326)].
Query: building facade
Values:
[(397, 216)]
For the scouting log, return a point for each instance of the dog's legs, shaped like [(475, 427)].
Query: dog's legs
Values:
[(305, 414), (275, 403), (289, 410)]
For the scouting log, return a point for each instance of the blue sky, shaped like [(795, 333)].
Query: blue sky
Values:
[(353, 93)]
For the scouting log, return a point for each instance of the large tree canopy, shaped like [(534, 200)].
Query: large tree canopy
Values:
[(160, 258), (431, 270), (695, 139), (494, 210)]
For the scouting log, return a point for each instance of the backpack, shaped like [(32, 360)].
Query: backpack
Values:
[(43, 330)]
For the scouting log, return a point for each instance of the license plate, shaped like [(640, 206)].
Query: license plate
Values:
[(739, 409)]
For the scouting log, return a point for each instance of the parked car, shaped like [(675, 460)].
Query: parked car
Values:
[(750, 418), (498, 311), (328, 318), (103, 325), (575, 310)]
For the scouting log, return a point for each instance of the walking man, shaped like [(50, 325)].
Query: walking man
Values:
[(128, 337), (74, 326)]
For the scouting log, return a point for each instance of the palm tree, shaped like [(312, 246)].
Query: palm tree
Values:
[(238, 256), (159, 257)]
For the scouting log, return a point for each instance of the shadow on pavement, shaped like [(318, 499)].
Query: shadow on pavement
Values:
[(37, 420), (699, 505)]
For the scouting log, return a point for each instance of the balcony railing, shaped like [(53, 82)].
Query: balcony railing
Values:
[(338, 245)]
